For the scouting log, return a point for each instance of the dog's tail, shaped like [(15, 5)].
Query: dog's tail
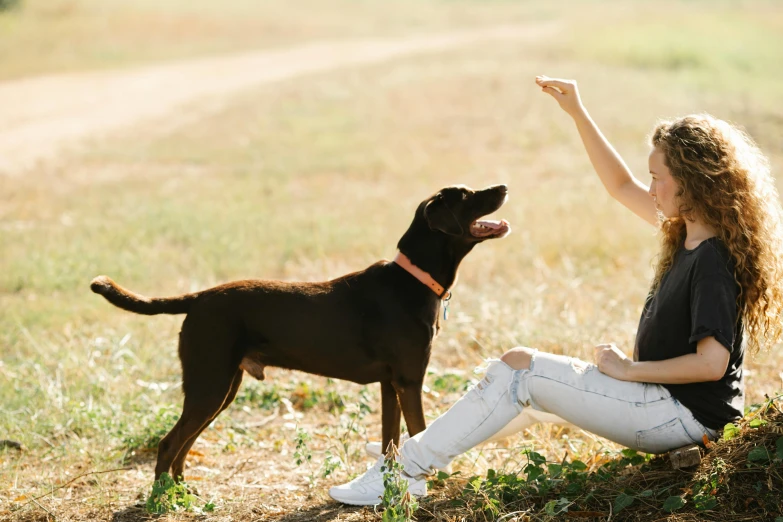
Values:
[(127, 300)]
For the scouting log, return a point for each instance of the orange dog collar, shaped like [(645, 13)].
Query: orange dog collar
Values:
[(402, 260)]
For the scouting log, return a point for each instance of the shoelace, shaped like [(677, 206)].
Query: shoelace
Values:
[(367, 477)]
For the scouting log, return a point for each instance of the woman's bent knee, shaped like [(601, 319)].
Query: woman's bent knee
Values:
[(518, 358)]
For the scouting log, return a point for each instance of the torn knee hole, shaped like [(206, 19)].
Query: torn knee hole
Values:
[(518, 358)]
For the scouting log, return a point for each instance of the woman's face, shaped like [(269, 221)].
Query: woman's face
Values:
[(663, 187)]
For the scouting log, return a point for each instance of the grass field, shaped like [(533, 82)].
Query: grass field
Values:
[(314, 177), (66, 35)]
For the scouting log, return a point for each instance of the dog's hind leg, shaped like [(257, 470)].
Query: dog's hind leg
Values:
[(209, 365), (390, 415), (197, 412), (178, 465)]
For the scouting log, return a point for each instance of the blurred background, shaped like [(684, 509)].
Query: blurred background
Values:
[(177, 145)]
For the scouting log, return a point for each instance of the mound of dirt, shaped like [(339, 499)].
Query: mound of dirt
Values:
[(739, 478)]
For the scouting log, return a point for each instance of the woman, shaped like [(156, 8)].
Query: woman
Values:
[(716, 291)]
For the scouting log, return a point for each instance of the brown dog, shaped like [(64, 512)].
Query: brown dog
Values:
[(376, 325)]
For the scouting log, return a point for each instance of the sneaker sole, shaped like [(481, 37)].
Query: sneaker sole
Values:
[(354, 502)]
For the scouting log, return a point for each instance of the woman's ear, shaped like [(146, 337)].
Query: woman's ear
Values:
[(440, 217)]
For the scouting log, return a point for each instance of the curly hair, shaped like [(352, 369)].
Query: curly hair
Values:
[(725, 180)]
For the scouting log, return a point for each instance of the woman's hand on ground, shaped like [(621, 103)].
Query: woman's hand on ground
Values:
[(612, 362), (564, 91)]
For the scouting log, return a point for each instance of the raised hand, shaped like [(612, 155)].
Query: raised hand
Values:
[(564, 91)]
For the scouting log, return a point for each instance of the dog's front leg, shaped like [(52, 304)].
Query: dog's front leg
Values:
[(390, 415), (410, 401)]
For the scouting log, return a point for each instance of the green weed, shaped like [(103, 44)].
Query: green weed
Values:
[(331, 464), (167, 496), (448, 382), (257, 395), (302, 453), (554, 487), (397, 502)]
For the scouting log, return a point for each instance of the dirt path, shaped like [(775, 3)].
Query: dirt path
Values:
[(42, 116)]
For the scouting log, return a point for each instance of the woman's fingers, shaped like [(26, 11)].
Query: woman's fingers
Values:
[(600, 349), (554, 92), (564, 86), (564, 92)]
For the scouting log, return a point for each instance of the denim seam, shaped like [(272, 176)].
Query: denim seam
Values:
[(653, 401), (588, 391), (676, 421), (641, 434), (685, 412), (696, 440)]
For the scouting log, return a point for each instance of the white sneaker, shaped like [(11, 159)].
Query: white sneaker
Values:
[(374, 449), (367, 489)]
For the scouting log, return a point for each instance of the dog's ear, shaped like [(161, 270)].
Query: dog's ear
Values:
[(440, 217)]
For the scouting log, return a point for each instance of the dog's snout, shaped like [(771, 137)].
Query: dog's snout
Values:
[(499, 187)]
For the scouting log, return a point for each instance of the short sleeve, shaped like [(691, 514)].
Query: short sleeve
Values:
[(714, 309)]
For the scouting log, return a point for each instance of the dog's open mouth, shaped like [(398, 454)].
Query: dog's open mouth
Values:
[(486, 228)]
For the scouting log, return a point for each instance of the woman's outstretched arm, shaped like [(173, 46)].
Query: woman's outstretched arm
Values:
[(612, 170)]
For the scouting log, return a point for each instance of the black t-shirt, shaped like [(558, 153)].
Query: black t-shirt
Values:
[(697, 298)]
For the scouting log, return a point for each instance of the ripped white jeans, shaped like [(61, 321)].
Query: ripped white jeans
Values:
[(559, 389)]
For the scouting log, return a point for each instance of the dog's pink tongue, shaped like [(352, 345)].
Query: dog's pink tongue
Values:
[(494, 225)]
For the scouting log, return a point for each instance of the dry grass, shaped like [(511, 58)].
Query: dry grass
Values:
[(306, 180)]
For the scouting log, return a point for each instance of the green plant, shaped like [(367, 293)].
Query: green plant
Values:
[(707, 488), (335, 402), (440, 479), (305, 398), (730, 431), (448, 383), (397, 502), (168, 495), (256, 394), (554, 487), (673, 503), (330, 464), (302, 453), (352, 423), (557, 507)]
